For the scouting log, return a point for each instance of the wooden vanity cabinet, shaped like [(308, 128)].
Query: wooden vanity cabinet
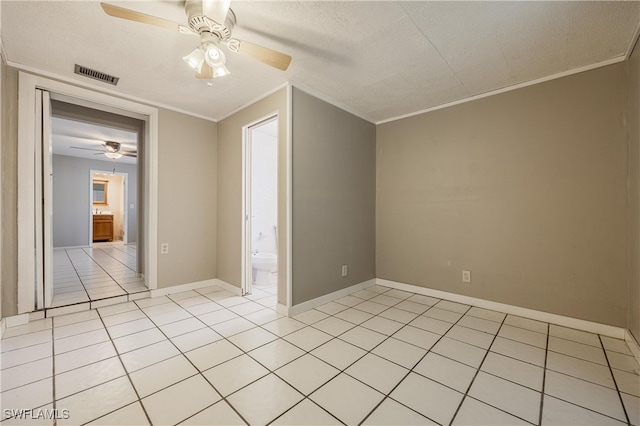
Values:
[(102, 227)]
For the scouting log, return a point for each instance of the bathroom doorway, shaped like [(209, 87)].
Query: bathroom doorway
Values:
[(260, 272)]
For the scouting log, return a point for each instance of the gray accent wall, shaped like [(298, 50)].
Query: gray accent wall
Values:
[(526, 189), (334, 168), (71, 198), (633, 73)]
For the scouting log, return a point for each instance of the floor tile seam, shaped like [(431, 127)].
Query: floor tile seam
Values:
[(615, 382), (306, 398), (4, 338), (584, 407), (23, 347), (544, 375), (113, 411), (193, 364), (564, 373), (107, 272), (410, 370), (502, 410), (26, 362), (124, 368), (101, 251), (478, 369), (78, 274), (576, 357), (53, 371), (26, 384)]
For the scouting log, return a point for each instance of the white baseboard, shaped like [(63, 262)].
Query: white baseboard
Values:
[(318, 301), (578, 324), (182, 287), (229, 287), (633, 345), (3, 327)]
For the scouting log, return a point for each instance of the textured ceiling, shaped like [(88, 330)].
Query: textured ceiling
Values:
[(378, 59), (86, 137)]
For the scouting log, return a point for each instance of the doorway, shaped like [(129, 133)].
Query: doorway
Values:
[(260, 248), (35, 183), (94, 195)]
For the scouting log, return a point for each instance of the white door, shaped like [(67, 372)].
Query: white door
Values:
[(44, 201)]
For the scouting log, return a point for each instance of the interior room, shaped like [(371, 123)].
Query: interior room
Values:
[(331, 212)]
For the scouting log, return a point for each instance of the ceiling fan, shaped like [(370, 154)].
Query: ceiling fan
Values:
[(111, 150), (213, 22)]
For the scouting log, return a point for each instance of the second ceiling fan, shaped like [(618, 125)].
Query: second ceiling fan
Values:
[(213, 22)]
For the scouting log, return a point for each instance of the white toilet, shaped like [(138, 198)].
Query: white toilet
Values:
[(263, 264)]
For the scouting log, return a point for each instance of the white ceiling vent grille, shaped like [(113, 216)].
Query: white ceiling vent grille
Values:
[(96, 75)]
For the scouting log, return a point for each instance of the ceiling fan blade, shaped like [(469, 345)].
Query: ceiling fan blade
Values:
[(129, 154), (88, 149), (206, 73), (263, 54), (216, 10), (131, 15)]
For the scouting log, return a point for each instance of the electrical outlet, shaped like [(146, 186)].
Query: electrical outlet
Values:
[(345, 270), (466, 277), (164, 248)]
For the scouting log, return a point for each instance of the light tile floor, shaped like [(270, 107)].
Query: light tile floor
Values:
[(379, 356), (88, 274)]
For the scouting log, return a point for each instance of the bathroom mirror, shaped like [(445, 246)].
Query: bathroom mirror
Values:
[(100, 191)]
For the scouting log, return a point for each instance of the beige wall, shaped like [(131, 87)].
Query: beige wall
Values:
[(633, 73), (527, 189), (334, 168), (187, 208), (230, 188), (9, 147)]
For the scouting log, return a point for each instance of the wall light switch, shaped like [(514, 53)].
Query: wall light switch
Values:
[(131, 206), (164, 248), (466, 276), (345, 270)]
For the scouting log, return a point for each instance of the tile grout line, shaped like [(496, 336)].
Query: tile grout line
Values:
[(615, 382), (411, 370), (199, 372), (53, 371), (466, 394), (544, 376), (126, 372)]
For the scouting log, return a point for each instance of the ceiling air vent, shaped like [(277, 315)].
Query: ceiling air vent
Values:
[(97, 75)]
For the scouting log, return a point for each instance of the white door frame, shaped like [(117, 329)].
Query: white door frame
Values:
[(125, 202), (246, 275), (27, 185)]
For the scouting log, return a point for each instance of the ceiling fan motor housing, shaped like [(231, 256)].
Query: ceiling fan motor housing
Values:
[(199, 23)]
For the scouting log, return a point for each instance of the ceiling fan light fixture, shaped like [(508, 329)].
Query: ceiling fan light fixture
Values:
[(113, 155), (220, 71), (195, 59), (214, 56)]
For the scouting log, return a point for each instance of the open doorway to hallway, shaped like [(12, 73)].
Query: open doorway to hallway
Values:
[(94, 205)]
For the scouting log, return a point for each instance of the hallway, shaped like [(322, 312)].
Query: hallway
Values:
[(88, 274)]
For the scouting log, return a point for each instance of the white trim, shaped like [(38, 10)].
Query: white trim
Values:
[(282, 309), (255, 100), (319, 301), (70, 247), (26, 184), (3, 327), (16, 320), (288, 198), (182, 287), (578, 324), (229, 287), (633, 345), (65, 310), (105, 90), (506, 89), (632, 44), (324, 98)]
